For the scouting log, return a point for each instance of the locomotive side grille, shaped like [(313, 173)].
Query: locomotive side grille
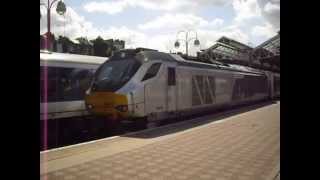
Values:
[(203, 90), (196, 99)]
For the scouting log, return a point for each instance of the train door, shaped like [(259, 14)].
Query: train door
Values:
[(155, 89), (171, 89)]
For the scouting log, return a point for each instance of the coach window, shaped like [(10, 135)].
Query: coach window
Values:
[(52, 83), (152, 71), (171, 76), (74, 83), (65, 84), (42, 79)]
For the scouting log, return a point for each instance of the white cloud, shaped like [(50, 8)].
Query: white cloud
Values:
[(178, 21), (266, 31), (73, 26), (165, 42), (246, 9), (161, 42), (270, 7), (117, 6), (167, 5), (216, 22), (113, 7), (208, 38), (77, 26), (132, 38), (271, 12), (167, 25), (174, 21)]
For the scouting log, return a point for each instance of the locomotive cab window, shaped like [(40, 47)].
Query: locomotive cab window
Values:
[(115, 73), (152, 71), (171, 76)]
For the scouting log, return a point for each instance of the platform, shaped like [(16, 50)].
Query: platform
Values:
[(240, 145)]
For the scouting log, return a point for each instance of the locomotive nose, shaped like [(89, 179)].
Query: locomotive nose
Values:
[(107, 104)]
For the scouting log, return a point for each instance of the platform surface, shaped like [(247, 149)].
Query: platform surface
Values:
[(244, 146)]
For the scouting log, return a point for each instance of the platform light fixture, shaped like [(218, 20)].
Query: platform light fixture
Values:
[(187, 40), (60, 9)]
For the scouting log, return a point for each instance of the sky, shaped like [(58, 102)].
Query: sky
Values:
[(155, 23)]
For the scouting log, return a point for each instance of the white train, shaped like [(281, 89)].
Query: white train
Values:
[(151, 86), (64, 78)]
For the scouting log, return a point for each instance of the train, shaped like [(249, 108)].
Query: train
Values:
[(64, 78), (148, 86)]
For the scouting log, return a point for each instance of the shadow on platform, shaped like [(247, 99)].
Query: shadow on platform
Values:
[(173, 126)]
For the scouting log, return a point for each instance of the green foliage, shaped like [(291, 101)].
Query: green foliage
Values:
[(96, 47), (100, 47), (66, 43)]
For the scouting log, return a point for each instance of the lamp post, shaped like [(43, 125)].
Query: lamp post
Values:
[(186, 40), (61, 9)]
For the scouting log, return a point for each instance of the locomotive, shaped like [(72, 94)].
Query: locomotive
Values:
[(149, 86)]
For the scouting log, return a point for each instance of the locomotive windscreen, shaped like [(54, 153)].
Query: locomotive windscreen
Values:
[(113, 74)]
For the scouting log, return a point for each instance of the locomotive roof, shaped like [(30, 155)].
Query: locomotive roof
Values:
[(150, 55), (74, 58)]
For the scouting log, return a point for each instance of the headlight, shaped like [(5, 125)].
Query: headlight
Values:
[(89, 106), (122, 108), (88, 91)]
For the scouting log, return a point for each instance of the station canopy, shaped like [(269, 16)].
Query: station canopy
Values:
[(227, 50), (272, 46)]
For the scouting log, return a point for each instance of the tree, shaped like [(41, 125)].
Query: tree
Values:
[(99, 47), (84, 45), (82, 40), (66, 43)]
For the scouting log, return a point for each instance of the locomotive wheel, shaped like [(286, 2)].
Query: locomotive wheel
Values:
[(113, 127), (140, 124), (153, 124)]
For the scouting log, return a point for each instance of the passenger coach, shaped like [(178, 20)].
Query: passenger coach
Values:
[(64, 78)]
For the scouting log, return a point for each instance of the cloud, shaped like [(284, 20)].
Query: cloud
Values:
[(249, 12), (131, 37), (266, 31), (246, 9), (113, 7), (110, 7), (271, 11), (73, 26), (165, 42), (216, 22), (166, 26), (179, 21), (161, 42), (208, 38), (117, 6), (270, 7)]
